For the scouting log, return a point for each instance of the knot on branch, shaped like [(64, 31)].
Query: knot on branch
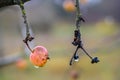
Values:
[(77, 38), (28, 38), (79, 20)]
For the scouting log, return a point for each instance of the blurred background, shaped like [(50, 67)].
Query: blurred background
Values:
[(52, 23)]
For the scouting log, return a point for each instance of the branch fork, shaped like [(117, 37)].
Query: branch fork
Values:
[(77, 38), (28, 38)]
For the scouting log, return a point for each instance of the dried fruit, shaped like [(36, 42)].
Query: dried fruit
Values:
[(95, 60)]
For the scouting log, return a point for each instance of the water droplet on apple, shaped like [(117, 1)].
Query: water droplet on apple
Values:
[(36, 66)]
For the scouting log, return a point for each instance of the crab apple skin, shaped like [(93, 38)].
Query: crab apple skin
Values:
[(39, 56)]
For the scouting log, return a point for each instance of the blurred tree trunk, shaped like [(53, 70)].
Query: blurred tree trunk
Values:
[(4, 3)]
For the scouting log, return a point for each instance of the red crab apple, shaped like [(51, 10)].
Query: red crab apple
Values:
[(74, 74), (39, 56), (69, 6), (21, 64)]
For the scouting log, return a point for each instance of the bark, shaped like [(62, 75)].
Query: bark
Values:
[(4, 3)]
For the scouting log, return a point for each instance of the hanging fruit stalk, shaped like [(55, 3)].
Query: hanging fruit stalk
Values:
[(39, 55), (28, 38), (77, 37)]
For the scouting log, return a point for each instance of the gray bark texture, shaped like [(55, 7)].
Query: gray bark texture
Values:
[(4, 3)]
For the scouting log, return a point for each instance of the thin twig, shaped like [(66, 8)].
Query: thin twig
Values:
[(77, 14), (28, 36), (24, 16), (86, 52), (71, 60)]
